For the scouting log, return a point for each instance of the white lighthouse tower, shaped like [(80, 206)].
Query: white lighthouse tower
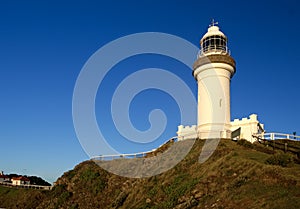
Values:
[(213, 70)]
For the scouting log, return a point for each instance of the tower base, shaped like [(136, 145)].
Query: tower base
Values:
[(225, 134), (216, 130)]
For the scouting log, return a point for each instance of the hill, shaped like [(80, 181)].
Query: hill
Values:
[(237, 175)]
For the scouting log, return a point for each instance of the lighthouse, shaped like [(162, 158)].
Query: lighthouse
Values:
[(213, 71)]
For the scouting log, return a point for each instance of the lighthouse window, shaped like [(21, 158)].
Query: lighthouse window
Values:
[(204, 44), (214, 42)]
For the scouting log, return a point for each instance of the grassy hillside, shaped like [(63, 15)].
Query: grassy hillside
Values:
[(20, 198), (238, 175)]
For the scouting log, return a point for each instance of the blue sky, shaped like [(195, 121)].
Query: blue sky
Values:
[(44, 45)]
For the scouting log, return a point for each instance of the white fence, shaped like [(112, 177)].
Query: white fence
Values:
[(132, 155), (26, 186), (275, 136)]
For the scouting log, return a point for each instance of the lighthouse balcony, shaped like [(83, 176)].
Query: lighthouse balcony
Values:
[(213, 50)]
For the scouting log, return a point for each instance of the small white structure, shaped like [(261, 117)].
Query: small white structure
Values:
[(186, 132), (248, 127), (20, 180)]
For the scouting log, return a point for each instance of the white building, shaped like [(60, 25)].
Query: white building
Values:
[(213, 70), (20, 180), (3, 178), (248, 127)]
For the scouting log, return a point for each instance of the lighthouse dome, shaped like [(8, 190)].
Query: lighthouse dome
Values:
[(213, 31), (214, 42)]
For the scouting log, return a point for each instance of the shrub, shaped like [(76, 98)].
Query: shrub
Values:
[(280, 159), (240, 181)]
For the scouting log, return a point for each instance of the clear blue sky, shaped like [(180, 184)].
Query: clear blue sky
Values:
[(44, 45)]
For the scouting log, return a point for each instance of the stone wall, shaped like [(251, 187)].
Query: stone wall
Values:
[(187, 132)]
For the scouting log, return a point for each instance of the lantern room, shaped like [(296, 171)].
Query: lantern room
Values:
[(214, 41)]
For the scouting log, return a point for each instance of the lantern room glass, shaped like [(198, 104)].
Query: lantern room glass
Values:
[(214, 43)]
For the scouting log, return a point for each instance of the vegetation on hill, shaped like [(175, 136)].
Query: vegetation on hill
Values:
[(237, 175), (20, 198)]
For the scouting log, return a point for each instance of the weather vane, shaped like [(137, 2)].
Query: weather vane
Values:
[(213, 23)]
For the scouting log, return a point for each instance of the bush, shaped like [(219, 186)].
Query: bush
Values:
[(280, 159), (240, 181)]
